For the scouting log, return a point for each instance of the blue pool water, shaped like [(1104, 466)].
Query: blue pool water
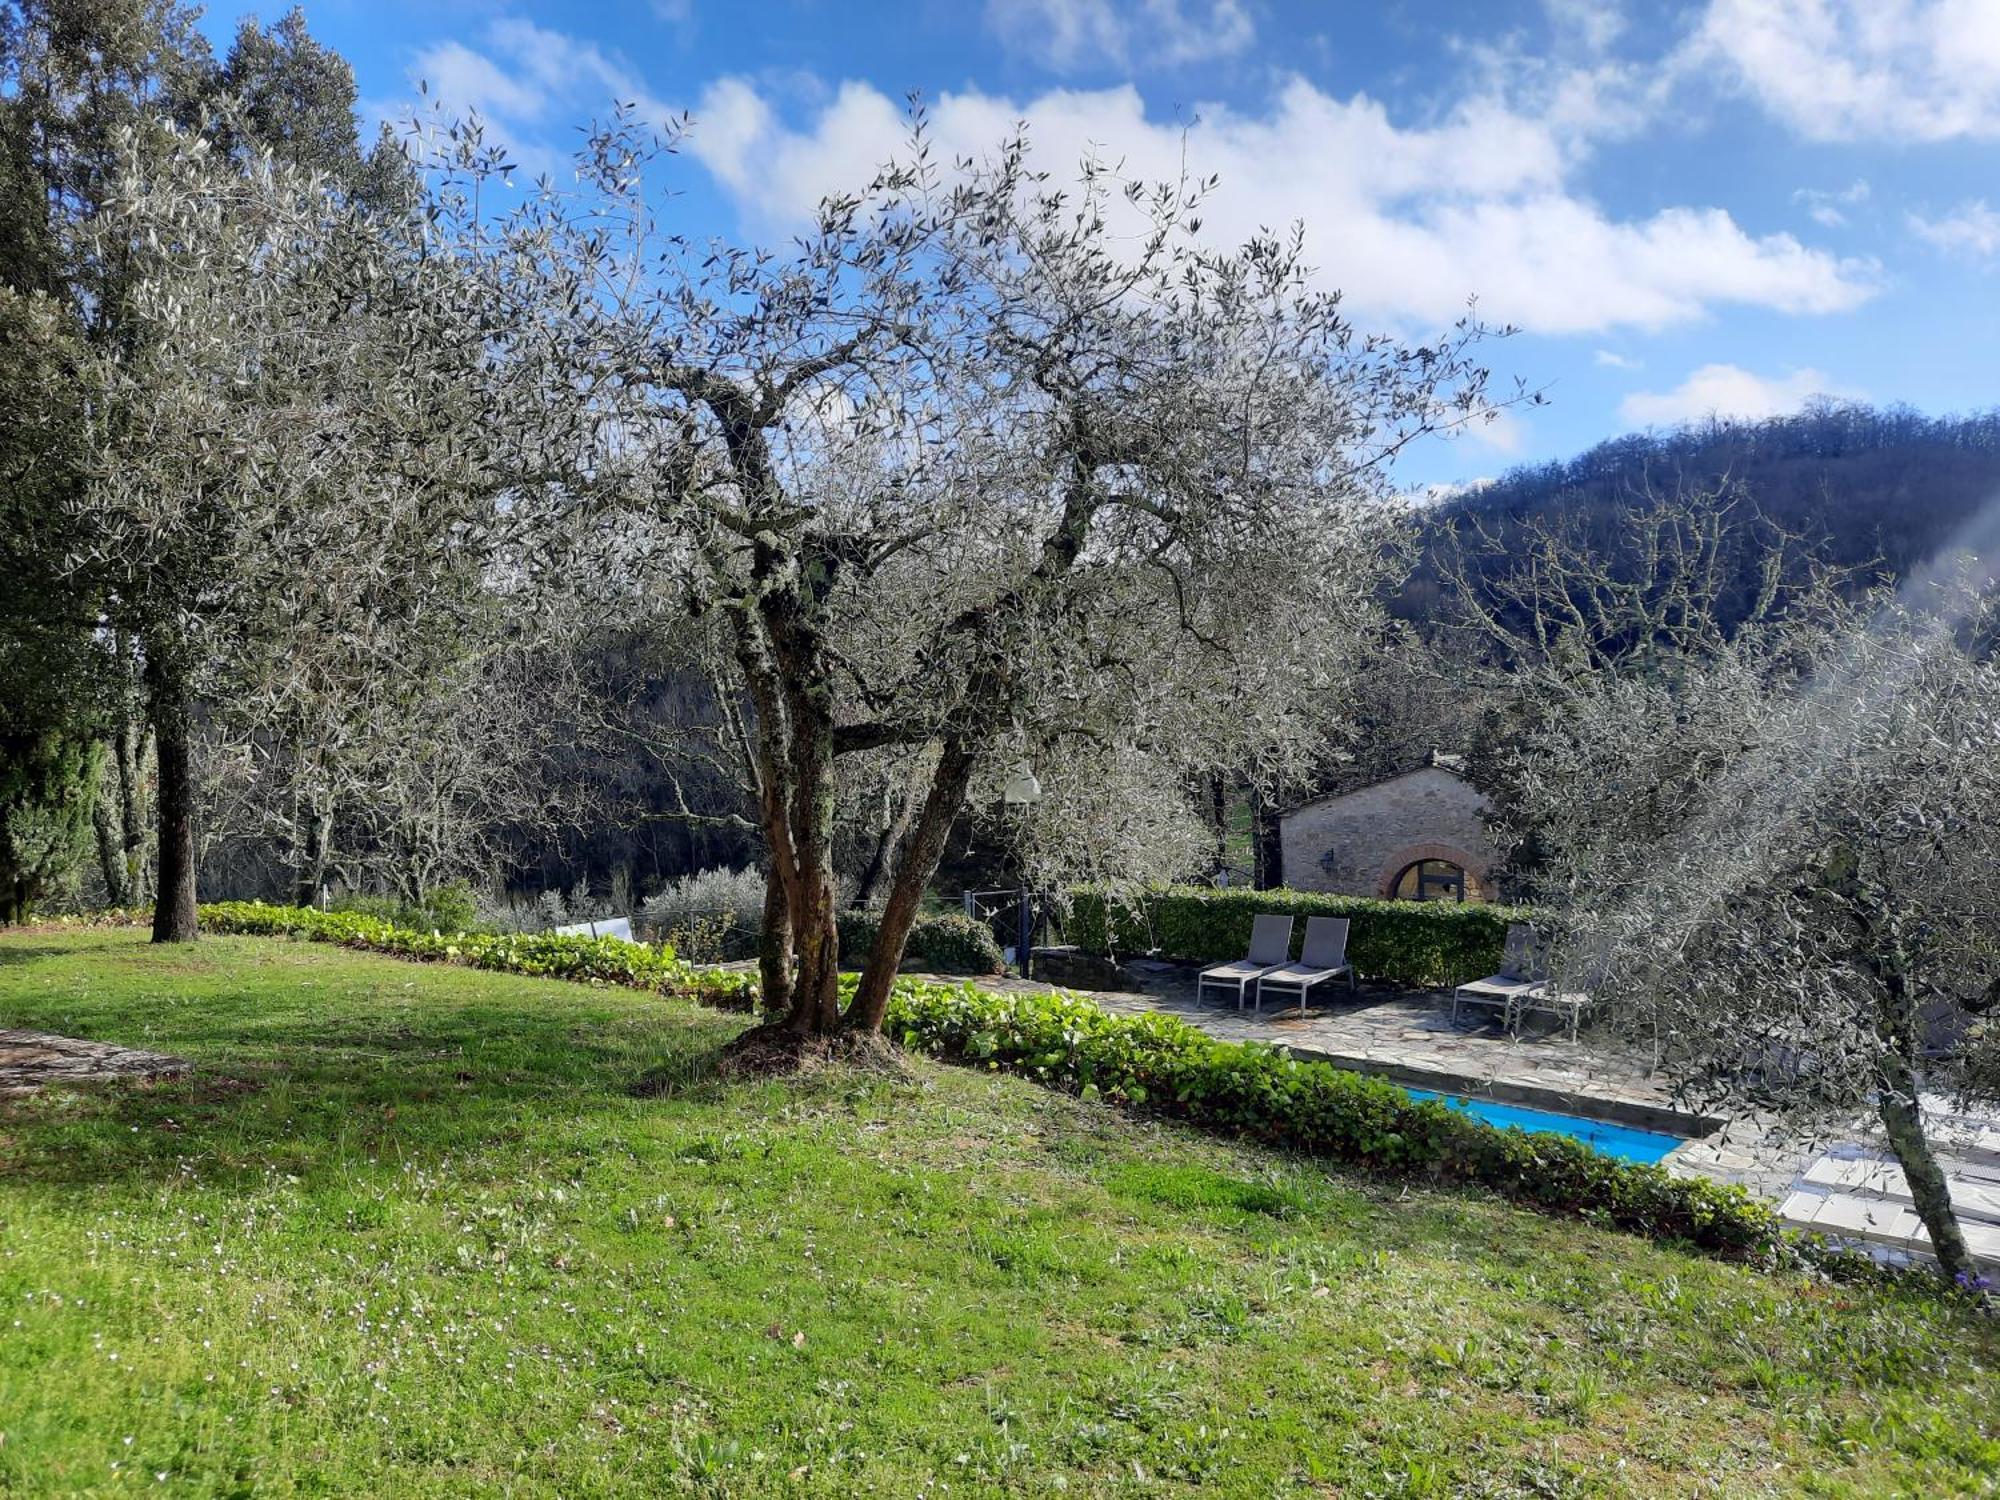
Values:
[(1623, 1141)]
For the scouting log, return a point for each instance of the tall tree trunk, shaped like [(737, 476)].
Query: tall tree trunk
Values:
[(110, 847), (174, 918), (913, 876), (132, 810), (1880, 946), (896, 807), (1267, 843), (1218, 820), (1896, 1105), (774, 954), (814, 895), (119, 818), (315, 847)]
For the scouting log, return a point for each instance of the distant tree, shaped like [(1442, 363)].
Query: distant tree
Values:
[(52, 669), (291, 479), (280, 90), (1874, 490), (72, 77), (87, 88)]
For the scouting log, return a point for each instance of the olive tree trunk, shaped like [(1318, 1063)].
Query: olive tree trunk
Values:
[(1897, 1106), (942, 801), (315, 850), (174, 919)]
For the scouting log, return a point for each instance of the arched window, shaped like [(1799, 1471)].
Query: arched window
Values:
[(1435, 880)]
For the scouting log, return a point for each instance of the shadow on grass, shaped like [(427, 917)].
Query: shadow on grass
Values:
[(352, 1069), (28, 953)]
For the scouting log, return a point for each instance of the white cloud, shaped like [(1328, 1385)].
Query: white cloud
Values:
[(1971, 230), (530, 82), (1069, 35), (1596, 24), (1502, 430), (1408, 221), (1910, 70), (1828, 207), (1721, 390), (1611, 359)]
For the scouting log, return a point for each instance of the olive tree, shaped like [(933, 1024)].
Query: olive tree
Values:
[(296, 461), (83, 88), (1773, 849), (987, 467)]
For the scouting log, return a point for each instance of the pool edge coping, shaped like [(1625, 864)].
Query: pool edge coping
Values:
[(1606, 1109)]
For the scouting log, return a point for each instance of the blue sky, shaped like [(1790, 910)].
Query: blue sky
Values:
[(1721, 205)]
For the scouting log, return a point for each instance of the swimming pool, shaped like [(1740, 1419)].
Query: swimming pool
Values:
[(1626, 1142)]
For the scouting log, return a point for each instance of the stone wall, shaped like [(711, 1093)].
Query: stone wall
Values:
[(1358, 843)]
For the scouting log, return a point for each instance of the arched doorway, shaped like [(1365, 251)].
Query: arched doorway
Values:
[(1434, 872), (1434, 880)]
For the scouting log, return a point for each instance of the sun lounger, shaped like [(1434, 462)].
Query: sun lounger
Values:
[(1544, 999), (1270, 948), (1520, 972), (1324, 957)]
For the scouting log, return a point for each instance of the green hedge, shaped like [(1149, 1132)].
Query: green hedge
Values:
[(947, 942), (1159, 1064), (1153, 1063), (1417, 944), (604, 960)]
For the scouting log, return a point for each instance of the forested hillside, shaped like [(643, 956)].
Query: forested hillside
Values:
[(1876, 490)]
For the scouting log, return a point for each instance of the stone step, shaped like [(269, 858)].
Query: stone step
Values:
[(1879, 1222), (1977, 1142), (1975, 1194)]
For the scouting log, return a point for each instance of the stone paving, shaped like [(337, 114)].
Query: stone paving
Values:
[(1409, 1036), (30, 1060)]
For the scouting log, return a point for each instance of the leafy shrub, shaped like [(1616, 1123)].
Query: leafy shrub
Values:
[(602, 960), (953, 943), (712, 915), (1417, 944), (47, 786), (946, 942), (1160, 1064), (366, 904), (449, 908)]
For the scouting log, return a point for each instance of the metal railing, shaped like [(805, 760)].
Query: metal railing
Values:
[(1018, 919), (704, 934)]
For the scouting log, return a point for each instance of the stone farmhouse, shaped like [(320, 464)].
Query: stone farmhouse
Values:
[(1417, 836)]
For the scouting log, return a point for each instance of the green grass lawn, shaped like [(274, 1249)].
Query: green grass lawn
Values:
[(406, 1233)]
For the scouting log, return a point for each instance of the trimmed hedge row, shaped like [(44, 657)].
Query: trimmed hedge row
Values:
[(1154, 1063), (948, 942), (1163, 1066), (603, 960), (1417, 944)]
